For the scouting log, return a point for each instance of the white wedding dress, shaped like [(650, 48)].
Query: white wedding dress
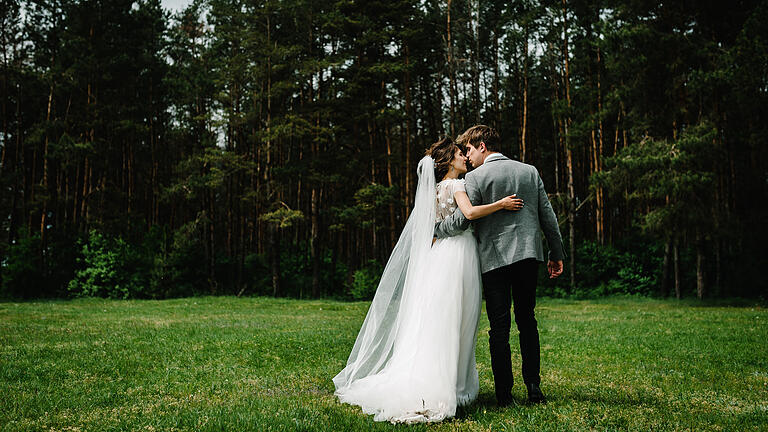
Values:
[(414, 359)]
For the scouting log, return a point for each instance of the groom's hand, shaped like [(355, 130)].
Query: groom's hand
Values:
[(555, 268)]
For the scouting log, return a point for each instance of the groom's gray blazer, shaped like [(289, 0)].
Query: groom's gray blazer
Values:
[(506, 237)]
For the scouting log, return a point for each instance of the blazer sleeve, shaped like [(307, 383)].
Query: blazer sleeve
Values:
[(454, 224), (549, 225), (473, 191)]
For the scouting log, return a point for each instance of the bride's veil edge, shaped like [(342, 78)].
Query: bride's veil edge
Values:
[(374, 343)]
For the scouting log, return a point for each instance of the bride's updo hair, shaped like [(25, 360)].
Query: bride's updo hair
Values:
[(442, 153)]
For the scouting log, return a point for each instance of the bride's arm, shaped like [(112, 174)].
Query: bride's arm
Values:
[(476, 212)]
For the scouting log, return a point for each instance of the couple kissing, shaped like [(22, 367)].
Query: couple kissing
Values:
[(414, 358)]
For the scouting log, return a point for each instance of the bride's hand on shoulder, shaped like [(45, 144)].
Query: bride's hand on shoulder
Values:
[(511, 202)]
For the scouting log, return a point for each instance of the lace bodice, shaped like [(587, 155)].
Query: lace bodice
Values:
[(446, 203)]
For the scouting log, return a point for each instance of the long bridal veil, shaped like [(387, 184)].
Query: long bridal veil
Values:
[(376, 338)]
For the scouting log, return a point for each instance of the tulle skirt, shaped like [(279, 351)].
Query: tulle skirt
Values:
[(432, 365)]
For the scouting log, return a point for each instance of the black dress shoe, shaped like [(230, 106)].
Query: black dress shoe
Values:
[(535, 395), (504, 398)]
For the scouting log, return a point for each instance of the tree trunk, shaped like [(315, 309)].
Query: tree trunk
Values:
[(86, 188), (496, 107), (314, 243), (665, 269), (13, 219), (370, 128), (700, 273), (390, 183), (600, 201), (274, 260), (408, 157), (557, 132), (676, 257), (718, 287), (524, 125), (211, 225), (616, 134), (569, 153), (44, 182), (476, 64), (625, 139), (274, 241), (451, 72), (6, 94)]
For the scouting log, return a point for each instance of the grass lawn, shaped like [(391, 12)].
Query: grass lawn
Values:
[(224, 363)]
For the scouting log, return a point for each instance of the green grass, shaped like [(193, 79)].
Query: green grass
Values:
[(266, 364)]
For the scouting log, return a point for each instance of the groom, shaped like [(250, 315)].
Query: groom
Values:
[(510, 247)]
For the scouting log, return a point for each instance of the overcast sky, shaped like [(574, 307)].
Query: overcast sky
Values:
[(175, 5)]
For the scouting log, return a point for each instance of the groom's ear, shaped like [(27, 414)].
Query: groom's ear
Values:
[(481, 147)]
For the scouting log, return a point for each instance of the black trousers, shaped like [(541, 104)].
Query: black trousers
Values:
[(515, 282)]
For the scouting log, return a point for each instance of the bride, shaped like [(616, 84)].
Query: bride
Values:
[(414, 358)]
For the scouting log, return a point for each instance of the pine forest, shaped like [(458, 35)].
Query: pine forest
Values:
[(269, 147)]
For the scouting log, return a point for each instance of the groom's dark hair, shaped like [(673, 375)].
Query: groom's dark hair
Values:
[(480, 133)]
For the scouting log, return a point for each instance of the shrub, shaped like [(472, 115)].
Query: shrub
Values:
[(296, 273), (111, 268), (608, 270), (365, 281), (21, 270), (181, 269), (256, 274)]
